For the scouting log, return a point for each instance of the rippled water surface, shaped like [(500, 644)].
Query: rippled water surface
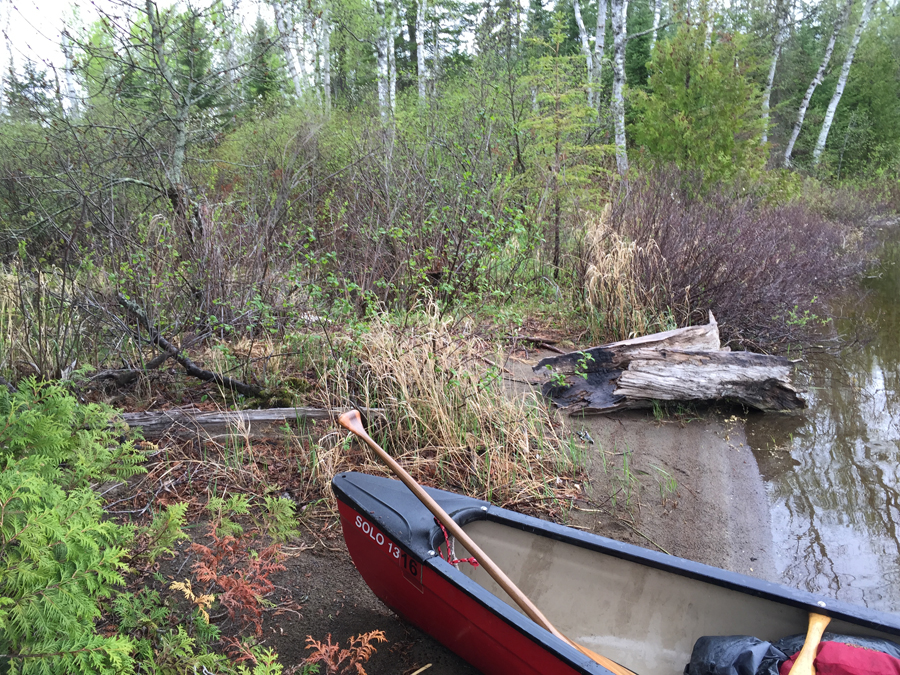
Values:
[(833, 474)]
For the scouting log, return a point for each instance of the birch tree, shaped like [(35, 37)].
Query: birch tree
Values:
[(384, 45), (816, 81), (325, 29), (421, 75), (619, 25), (842, 82), (69, 72), (585, 50), (657, 12), (599, 44), (6, 52), (781, 24), (284, 33)]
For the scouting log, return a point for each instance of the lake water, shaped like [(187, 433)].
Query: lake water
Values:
[(833, 473)]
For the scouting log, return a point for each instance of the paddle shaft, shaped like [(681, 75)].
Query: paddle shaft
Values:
[(352, 422), (804, 663)]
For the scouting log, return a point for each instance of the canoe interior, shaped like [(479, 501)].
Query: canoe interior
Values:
[(642, 617)]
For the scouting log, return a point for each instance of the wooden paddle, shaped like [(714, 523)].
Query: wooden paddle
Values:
[(804, 663), (351, 421)]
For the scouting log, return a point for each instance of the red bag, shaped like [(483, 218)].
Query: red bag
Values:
[(836, 658)]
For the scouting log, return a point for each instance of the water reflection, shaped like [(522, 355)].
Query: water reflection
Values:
[(833, 475)]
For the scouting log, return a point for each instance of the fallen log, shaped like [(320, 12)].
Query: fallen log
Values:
[(617, 355), (757, 380), (250, 423), (686, 364)]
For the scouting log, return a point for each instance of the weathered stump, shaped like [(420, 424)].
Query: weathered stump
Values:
[(686, 364)]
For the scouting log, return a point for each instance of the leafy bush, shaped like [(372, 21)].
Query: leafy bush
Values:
[(60, 557), (748, 262)]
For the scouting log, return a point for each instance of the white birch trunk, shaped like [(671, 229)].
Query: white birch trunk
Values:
[(599, 47), (780, 35), (325, 59), (657, 11), (842, 82), (231, 57), (586, 50), (381, 62), (816, 81), (301, 49), (284, 38), (619, 24), (175, 172), (69, 70), (310, 50), (436, 60), (421, 75), (392, 65), (5, 11)]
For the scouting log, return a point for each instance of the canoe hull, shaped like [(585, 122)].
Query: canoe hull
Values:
[(425, 598)]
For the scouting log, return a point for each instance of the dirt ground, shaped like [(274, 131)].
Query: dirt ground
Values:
[(715, 512)]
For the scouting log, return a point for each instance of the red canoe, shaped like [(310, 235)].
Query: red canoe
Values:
[(640, 608)]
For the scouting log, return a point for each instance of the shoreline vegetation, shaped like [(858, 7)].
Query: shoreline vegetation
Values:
[(181, 228)]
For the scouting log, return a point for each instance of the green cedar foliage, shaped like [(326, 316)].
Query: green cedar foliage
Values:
[(69, 444), (703, 108), (58, 556)]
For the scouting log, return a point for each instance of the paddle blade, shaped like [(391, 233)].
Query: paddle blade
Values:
[(352, 422)]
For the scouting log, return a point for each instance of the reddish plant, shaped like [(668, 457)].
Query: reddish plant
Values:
[(241, 574), (344, 661)]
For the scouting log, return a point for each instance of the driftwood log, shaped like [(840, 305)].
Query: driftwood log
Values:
[(686, 364), (250, 423)]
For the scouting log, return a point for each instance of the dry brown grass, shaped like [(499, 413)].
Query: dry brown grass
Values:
[(447, 418), (622, 306)]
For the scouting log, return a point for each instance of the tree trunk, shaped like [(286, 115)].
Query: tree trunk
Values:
[(599, 48), (842, 82), (619, 23), (183, 102), (71, 93), (586, 50), (305, 46), (382, 62), (657, 11), (816, 81), (392, 63), (325, 57), (5, 13), (284, 32), (421, 75), (251, 423), (780, 35), (231, 63), (756, 380)]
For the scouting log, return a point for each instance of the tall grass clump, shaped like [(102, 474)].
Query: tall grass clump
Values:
[(446, 415), (618, 304)]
